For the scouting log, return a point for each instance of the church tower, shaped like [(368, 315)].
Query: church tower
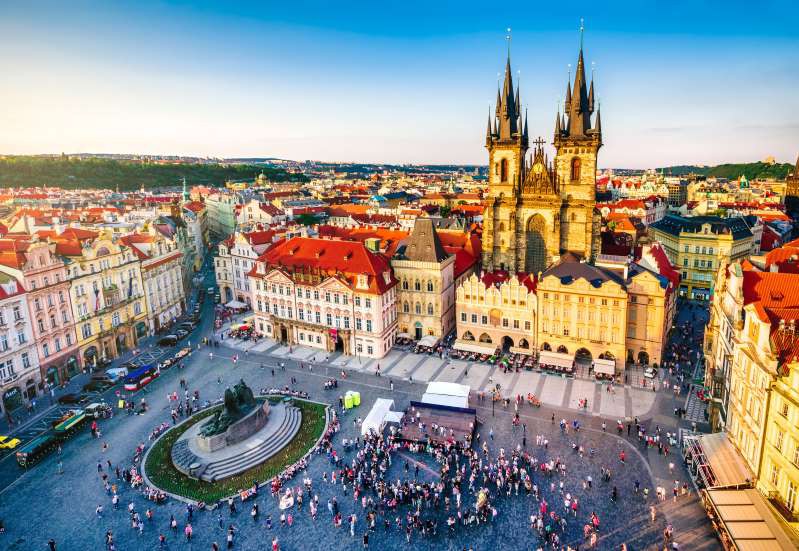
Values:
[(577, 143), (506, 141)]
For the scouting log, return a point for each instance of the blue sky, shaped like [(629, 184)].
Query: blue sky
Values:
[(678, 82)]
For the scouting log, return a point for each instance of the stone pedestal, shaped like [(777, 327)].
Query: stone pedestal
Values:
[(237, 432)]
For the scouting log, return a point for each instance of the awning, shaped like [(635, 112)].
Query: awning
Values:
[(236, 304), (555, 358), (716, 461), (403, 336), (429, 341), (746, 522), (517, 350), (475, 346), (606, 367)]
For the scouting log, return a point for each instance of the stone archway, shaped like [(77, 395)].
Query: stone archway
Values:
[(563, 350), (643, 358), (535, 245)]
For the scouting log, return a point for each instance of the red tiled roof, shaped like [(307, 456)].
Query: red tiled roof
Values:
[(345, 259), (498, 277), (194, 206), (79, 234)]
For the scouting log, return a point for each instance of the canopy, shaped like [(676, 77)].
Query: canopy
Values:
[(555, 358), (236, 304), (518, 350), (429, 341), (716, 460), (746, 521), (447, 394), (606, 367), (376, 419), (475, 346), (403, 336)]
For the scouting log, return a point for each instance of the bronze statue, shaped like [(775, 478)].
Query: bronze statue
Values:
[(237, 403)]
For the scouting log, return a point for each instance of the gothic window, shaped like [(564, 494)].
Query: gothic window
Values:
[(417, 286), (406, 308), (429, 286), (535, 245), (575, 172), (430, 309), (503, 170), (405, 284), (418, 308)]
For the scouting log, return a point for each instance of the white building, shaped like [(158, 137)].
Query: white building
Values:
[(326, 294), (19, 362)]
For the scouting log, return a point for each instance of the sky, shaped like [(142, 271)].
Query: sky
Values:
[(700, 82)]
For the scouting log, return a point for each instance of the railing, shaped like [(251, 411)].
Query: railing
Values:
[(779, 504)]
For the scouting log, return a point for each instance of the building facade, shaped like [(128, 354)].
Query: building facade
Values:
[(107, 298), (21, 378), (535, 213), (497, 311), (223, 270), (330, 295), (752, 362), (792, 189), (221, 213), (426, 291), (43, 273), (699, 245)]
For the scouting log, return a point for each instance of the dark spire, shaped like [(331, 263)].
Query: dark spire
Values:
[(591, 96), (579, 114), (508, 113), (423, 244), (567, 104), (598, 124), (488, 128), (499, 99), (525, 135), (557, 124)]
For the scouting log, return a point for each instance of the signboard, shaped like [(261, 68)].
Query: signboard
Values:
[(334, 334)]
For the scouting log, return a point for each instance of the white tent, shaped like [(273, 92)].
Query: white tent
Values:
[(555, 358), (429, 341), (447, 394), (606, 367), (377, 417), (236, 304), (475, 346)]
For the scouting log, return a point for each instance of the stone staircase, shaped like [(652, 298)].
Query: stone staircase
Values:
[(183, 457)]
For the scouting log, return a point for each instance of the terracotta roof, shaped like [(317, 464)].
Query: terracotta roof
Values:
[(498, 277), (194, 206), (423, 244), (79, 234), (343, 259)]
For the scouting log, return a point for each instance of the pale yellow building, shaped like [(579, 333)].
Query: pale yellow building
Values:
[(752, 361), (426, 290), (496, 311), (107, 295), (699, 245)]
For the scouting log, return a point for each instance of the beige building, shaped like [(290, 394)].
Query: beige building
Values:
[(699, 245), (494, 311), (426, 291), (752, 362)]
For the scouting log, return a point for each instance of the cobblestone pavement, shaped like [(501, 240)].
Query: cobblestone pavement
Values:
[(40, 503)]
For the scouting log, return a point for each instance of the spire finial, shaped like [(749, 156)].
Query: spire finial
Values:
[(582, 30), (508, 37)]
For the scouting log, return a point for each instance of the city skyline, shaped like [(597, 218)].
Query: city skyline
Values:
[(411, 86)]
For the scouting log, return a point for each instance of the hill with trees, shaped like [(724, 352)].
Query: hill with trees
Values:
[(777, 171), (96, 173)]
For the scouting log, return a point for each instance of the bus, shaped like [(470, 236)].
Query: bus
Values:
[(141, 377)]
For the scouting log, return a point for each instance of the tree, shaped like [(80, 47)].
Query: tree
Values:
[(307, 219)]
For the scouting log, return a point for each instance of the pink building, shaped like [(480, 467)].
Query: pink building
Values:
[(44, 275)]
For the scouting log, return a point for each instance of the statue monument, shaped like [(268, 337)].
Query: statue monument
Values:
[(240, 416), (238, 403)]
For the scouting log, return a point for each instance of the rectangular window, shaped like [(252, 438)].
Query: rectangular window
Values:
[(526, 325), (565, 331), (46, 350), (300, 314), (57, 344), (367, 302), (318, 317), (369, 325), (115, 319), (3, 343), (504, 322), (474, 318), (329, 320), (515, 324), (370, 350), (86, 330), (358, 325), (21, 338), (463, 317), (346, 322), (26, 361)]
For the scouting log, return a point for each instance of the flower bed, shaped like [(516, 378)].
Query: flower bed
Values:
[(163, 474)]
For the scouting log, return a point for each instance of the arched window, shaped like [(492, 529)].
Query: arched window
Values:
[(429, 286), (405, 284), (573, 217), (417, 286), (503, 170), (468, 336), (575, 174), (406, 307), (418, 308), (430, 309)]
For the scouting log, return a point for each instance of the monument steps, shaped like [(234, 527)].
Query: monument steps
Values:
[(289, 426)]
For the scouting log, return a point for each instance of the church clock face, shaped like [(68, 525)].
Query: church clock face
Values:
[(538, 168)]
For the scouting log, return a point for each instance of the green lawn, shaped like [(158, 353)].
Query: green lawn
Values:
[(163, 474)]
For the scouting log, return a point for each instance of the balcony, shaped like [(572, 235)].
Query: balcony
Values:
[(776, 501)]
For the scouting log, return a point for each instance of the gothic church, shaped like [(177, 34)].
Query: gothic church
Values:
[(538, 210)]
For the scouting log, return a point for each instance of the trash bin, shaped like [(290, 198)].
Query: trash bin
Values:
[(348, 401)]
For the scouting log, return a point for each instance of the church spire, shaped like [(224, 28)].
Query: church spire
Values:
[(507, 111), (591, 96), (489, 135), (579, 102), (598, 124), (557, 124)]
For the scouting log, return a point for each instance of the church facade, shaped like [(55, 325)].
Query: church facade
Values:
[(539, 209)]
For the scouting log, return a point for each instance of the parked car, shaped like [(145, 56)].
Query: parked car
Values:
[(8, 442), (73, 398), (98, 385), (169, 340), (187, 326), (181, 333)]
